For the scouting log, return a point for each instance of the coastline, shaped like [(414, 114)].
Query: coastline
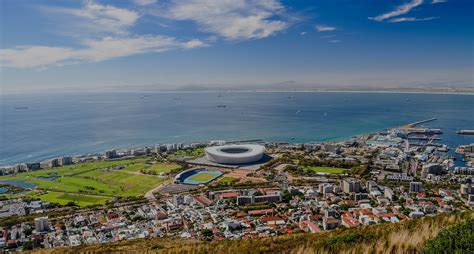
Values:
[(207, 142), (327, 134)]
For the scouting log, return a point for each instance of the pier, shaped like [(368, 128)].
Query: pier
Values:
[(411, 128), (411, 125)]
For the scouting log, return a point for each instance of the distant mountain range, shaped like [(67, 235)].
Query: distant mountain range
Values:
[(289, 86)]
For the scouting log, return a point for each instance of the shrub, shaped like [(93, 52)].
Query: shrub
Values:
[(455, 239)]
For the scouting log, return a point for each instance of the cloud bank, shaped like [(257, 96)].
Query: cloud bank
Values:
[(111, 35)]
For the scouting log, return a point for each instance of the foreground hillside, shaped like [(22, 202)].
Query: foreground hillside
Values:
[(407, 237)]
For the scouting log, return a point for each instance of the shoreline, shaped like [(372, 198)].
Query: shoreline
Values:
[(203, 142)]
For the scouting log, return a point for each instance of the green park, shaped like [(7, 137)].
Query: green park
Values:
[(327, 170), (92, 183)]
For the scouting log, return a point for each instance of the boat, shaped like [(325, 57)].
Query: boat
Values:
[(221, 106), (21, 107), (465, 132)]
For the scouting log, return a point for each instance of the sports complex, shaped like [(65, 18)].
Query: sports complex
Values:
[(196, 176), (235, 154)]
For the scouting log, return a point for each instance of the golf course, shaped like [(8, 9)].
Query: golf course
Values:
[(95, 182)]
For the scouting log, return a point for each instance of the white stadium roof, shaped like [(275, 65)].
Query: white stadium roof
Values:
[(235, 154)]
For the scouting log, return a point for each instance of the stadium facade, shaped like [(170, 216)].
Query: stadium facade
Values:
[(235, 154)]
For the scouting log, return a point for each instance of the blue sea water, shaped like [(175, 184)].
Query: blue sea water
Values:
[(69, 124)]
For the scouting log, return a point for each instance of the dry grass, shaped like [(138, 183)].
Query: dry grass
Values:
[(407, 237)]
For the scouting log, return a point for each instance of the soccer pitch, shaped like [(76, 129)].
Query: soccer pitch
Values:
[(202, 177)]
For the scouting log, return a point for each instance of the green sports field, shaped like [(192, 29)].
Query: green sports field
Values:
[(327, 170), (96, 181), (202, 177)]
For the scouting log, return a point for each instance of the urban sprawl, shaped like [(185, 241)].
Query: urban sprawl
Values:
[(385, 177)]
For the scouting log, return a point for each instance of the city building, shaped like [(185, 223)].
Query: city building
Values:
[(415, 187), (66, 160), (53, 163), (33, 166), (111, 154), (41, 224), (350, 185)]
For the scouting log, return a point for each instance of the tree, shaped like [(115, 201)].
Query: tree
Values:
[(28, 245)]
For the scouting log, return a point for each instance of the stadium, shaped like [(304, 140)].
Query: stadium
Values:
[(196, 176), (235, 154)]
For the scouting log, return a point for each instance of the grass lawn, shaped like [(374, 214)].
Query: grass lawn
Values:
[(96, 178), (164, 167), (328, 170), (64, 198), (202, 177), (228, 179), (157, 167), (196, 152)]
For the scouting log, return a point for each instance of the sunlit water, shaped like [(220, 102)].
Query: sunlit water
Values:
[(70, 124)]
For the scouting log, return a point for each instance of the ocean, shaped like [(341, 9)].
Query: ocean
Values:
[(38, 127)]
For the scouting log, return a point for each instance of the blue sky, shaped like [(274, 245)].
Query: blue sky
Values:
[(67, 45)]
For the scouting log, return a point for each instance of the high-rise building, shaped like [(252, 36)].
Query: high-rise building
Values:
[(33, 166), (416, 187), (349, 186), (466, 188), (111, 154), (41, 224), (66, 160), (389, 194), (20, 168), (325, 188), (53, 163)]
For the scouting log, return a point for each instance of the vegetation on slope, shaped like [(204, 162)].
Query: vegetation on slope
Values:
[(455, 239)]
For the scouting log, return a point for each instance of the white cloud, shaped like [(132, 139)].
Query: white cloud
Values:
[(303, 33), (233, 20), (438, 1), (410, 19), (100, 18), (324, 28), (194, 44), (92, 51), (34, 56), (145, 2), (400, 10), (335, 41), (328, 36)]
